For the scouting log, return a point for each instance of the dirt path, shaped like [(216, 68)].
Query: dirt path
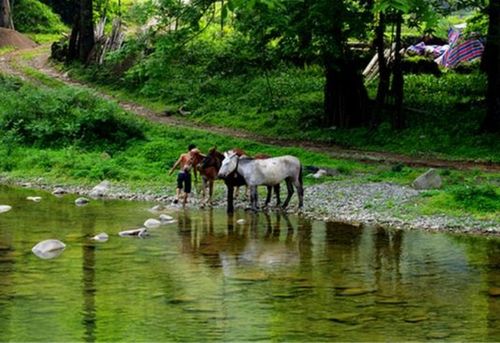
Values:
[(41, 63)]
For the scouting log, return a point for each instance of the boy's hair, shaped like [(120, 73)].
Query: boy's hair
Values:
[(191, 147)]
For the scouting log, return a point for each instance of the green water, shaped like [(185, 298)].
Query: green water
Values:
[(207, 278)]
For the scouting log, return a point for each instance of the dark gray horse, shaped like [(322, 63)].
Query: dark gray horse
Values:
[(268, 172)]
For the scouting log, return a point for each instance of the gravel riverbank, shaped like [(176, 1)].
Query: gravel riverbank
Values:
[(377, 203)]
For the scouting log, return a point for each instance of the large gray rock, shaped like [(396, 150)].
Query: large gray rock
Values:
[(100, 190), (81, 201), (428, 180)]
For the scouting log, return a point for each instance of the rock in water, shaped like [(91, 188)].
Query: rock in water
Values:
[(100, 190), (102, 237), (134, 232), (81, 201), (428, 180), (48, 249), (5, 208), (35, 199), (152, 223), (241, 221)]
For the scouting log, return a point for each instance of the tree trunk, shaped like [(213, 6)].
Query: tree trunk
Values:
[(346, 98), (398, 121), (384, 74), (6, 15), (73, 40), (491, 122), (86, 37)]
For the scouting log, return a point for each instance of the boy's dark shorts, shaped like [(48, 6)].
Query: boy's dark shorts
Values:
[(184, 178)]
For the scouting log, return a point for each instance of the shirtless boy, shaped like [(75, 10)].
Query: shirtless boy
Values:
[(186, 162)]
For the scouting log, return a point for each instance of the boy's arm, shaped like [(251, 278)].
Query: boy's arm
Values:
[(175, 165)]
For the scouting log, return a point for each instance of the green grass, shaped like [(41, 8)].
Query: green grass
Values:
[(53, 132), (443, 113)]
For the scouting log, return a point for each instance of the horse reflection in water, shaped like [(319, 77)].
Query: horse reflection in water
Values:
[(256, 243)]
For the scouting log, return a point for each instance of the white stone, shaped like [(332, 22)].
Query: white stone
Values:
[(241, 221), (102, 237), (5, 208), (35, 199), (49, 248), (152, 223)]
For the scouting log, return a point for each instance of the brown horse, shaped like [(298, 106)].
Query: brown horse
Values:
[(208, 168)]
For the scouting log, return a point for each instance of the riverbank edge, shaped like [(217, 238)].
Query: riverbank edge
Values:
[(332, 209)]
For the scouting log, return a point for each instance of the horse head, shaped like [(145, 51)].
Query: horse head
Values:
[(212, 159), (229, 164)]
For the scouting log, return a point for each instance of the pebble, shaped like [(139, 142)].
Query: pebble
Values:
[(374, 203), (35, 199)]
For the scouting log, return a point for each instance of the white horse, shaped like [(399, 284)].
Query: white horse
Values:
[(268, 172)]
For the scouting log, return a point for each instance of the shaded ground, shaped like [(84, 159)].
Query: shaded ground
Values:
[(42, 64)]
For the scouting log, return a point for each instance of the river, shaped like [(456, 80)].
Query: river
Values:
[(207, 277)]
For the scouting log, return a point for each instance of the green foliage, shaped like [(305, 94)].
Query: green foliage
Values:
[(48, 118), (477, 197), (34, 16)]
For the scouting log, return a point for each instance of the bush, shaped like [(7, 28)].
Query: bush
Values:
[(481, 198), (34, 16), (56, 118)]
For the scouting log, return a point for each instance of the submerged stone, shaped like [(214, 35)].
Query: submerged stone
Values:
[(344, 318), (35, 199), (494, 291), (391, 301), (102, 237), (48, 249), (438, 335), (142, 232), (355, 291), (416, 319), (257, 276)]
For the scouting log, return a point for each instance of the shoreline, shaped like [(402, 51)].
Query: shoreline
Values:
[(379, 204)]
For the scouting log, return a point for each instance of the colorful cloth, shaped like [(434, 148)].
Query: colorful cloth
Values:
[(460, 51)]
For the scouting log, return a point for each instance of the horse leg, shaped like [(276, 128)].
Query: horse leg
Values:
[(269, 195), (210, 191), (203, 188), (300, 189), (277, 192), (254, 198), (289, 187), (230, 198)]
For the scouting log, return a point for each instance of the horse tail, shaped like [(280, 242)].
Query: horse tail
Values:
[(301, 182)]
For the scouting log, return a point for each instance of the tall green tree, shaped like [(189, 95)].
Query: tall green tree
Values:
[(316, 31)]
